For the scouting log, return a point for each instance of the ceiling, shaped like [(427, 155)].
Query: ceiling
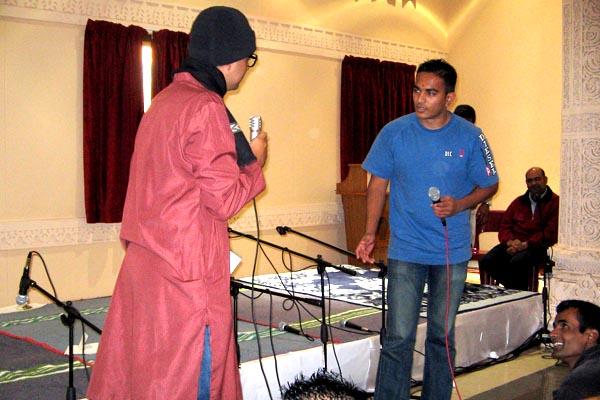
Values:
[(372, 18)]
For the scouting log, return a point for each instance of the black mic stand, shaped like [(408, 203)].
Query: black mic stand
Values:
[(68, 319), (547, 274), (321, 265), (282, 230)]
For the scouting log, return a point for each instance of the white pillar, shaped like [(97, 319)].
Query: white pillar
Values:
[(577, 255)]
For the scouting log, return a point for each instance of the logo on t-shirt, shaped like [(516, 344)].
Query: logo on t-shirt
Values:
[(490, 165), (450, 153)]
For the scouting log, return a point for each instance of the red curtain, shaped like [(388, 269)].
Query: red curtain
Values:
[(113, 106), (168, 51), (373, 93)]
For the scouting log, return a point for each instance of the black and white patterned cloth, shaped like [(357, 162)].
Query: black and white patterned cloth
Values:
[(365, 288)]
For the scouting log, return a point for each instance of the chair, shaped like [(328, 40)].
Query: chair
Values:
[(493, 225)]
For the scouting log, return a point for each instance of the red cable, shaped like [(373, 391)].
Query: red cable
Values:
[(448, 286)]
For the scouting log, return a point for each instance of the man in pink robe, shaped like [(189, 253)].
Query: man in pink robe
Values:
[(189, 174)]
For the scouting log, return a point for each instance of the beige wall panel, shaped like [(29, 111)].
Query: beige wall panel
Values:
[(509, 60), (298, 99), (43, 126), (78, 272)]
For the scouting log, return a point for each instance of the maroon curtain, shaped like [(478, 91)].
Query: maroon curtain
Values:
[(113, 106), (373, 93), (168, 51)]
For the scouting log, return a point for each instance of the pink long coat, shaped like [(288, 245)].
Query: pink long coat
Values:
[(174, 281)]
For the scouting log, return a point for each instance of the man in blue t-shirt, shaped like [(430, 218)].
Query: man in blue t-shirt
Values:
[(421, 155)]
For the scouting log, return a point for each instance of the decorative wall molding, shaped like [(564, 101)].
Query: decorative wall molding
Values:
[(273, 35), (69, 232)]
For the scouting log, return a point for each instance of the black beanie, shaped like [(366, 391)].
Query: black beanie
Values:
[(221, 35)]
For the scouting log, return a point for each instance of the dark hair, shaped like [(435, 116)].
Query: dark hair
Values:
[(588, 314), (323, 385), (466, 111), (442, 69)]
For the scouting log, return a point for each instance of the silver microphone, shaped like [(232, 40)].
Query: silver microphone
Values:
[(255, 126)]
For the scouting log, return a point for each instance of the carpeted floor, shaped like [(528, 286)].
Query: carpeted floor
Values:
[(33, 342), (31, 370)]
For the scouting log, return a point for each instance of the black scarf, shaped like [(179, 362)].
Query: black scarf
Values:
[(213, 79)]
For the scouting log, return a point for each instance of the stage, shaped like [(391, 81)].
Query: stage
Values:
[(491, 322)]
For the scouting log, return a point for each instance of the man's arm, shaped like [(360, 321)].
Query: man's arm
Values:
[(376, 193)]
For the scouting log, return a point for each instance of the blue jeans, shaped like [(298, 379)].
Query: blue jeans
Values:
[(204, 378), (406, 283)]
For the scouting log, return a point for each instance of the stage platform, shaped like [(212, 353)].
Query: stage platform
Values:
[(491, 323)]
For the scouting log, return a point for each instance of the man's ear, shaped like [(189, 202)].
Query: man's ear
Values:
[(450, 97), (224, 68), (592, 335)]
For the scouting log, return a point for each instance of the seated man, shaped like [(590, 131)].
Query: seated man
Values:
[(528, 228), (575, 340)]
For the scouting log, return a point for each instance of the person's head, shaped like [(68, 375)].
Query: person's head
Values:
[(433, 92), (221, 37), (443, 70), (467, 112), (576, 328), (536, 181), (323, 385)]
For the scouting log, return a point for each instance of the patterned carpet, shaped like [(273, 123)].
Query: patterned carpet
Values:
[(33, 370)]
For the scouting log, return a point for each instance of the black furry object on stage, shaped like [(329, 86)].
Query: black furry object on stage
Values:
[(323, 385)]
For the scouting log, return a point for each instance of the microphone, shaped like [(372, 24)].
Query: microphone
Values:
[(255, 126), (351, 325), (282, 230), (434, 196), (22, 297), (283, 327)]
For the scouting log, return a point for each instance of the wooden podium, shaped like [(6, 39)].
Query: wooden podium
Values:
[(353, 190)]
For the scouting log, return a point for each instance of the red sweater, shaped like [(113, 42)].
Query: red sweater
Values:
[(540, 230)]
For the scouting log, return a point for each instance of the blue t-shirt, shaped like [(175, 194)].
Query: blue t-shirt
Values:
[(455, 158)]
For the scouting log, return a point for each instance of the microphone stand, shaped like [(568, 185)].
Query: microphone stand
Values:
[(321, 265), (545, 292), (282, 230), (68, 319)]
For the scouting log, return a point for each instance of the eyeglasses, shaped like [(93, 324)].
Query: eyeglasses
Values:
[(252, 60)]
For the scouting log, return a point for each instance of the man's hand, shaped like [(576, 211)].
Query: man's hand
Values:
[(446, 207), (514, 246), (365, 248), (259, 147)]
